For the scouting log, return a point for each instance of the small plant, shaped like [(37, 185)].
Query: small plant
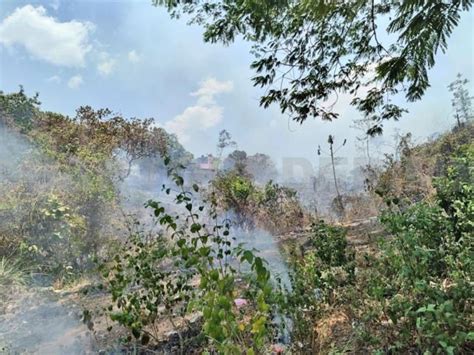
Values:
[(194, 269), (12, 273)]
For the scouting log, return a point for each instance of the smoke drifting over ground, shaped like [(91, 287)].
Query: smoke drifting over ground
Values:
[(13, 149), (267, 247), (31, 319), (37, 322)]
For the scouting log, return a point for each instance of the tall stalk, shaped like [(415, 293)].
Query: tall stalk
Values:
[(338, 194), (332, 152)]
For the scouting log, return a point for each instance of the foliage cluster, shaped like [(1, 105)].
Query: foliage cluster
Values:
[(407, 176), (59, 188), (308, 52), (414, 293), (272, 207), (191, 266), (318, 281), (259, 166)]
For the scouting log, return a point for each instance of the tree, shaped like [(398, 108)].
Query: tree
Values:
[(309, 51), (18, 109), (258, 166), (225, 141), (163, 144), (261, 167), (364, 125), (461, 101), (237, 160)]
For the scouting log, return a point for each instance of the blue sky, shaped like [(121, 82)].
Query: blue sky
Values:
[(132, 58)]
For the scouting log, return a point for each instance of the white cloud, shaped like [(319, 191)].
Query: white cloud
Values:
[(56, 79), (134, 57), (45, 38), (204, 114), (211, 87), (194, 117), (106, 64), (75, 82)]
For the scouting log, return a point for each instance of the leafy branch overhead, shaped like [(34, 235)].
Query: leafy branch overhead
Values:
[(307, 52)]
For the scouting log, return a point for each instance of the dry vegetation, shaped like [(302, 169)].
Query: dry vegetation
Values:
[(392, 275)]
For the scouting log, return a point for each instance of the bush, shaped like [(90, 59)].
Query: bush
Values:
[(413, 294), (194, 268), (317, 279), (60, 201), (272, 207), (424, 276)]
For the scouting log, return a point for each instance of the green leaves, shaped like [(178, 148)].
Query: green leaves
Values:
[(322, 48), (263, 275), (272, 207), (430, 291), (247, 256), (195, 227), (157, 273), (157, 209)]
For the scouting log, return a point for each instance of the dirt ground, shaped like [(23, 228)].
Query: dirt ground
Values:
[(35, 321), (42, 320)]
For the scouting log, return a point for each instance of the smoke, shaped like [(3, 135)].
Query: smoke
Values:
[(13, 150), (22, 327), (32, 321), (139, 187), (37, 323), (267, 247), (145, 182)]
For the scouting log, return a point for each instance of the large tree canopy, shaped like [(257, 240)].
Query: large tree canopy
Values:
[(309, 51)]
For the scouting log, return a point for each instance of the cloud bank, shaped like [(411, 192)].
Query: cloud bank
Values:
[(46, 38)]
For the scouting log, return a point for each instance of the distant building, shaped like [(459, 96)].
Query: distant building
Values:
[(206, 162), (202, 169)]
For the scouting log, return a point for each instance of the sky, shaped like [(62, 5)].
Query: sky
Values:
[(133, 58)]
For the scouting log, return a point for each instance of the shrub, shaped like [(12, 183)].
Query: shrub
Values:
[(155, 277), (317, 279), (413, 294), (272, 207), (424, 277)]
